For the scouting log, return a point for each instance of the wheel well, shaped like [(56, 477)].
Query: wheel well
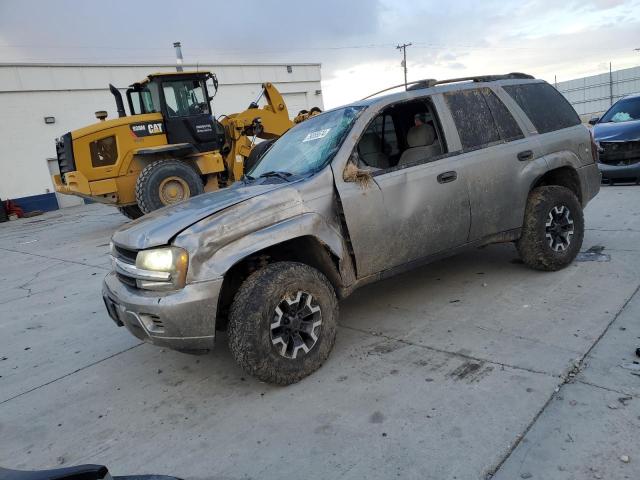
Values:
[(308, 250), (564, 177)]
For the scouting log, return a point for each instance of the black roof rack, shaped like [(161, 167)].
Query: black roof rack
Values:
[(432, 82)]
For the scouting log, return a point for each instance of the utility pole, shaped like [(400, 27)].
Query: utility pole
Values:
[(610, 85), (403, 47)]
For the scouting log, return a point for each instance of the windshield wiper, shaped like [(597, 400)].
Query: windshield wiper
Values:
[(246, 178), (283, 175)]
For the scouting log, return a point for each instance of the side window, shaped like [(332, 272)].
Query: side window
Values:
[(384, 128), (185, 97), (507, 125), (170, 99), (374, 147), (403, 134), (473, 118), (547, 109)]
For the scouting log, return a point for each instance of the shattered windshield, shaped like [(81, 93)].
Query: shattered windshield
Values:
[(623, 111), (308, 146)]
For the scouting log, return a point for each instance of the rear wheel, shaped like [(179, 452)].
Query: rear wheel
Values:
[(282, 322), (131, 211), (553, 228), (166, 182)]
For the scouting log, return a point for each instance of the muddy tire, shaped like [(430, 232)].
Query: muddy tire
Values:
[(131, 211), (282, 322), (553, 228), (165, 182), (256, 154)]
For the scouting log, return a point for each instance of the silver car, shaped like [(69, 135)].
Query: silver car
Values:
[(351, 196)]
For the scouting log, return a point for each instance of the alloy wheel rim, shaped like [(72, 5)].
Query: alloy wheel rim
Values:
[(559, 228), (173, 189), (296, 324)]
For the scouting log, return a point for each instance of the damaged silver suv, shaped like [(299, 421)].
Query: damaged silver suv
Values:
[(351, 196)]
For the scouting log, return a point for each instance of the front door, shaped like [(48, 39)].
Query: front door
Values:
[(187, 114), (416, 207)]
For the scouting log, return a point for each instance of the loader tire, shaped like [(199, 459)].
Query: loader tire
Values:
[(553, 228), (256, 154), (165, 182), (282, 322), (131, 211)]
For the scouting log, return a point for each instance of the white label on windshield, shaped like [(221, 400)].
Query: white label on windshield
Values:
[(316, 135)]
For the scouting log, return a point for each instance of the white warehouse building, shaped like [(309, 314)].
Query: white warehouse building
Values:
[(40, 102)]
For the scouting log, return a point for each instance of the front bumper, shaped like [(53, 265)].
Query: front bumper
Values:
[(621, 173), (182, 320)]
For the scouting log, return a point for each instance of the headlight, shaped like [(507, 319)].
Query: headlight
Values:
[(171, 260)]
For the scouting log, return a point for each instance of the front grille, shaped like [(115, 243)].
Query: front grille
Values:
[(620, 153), (64, 152), (127, 256)]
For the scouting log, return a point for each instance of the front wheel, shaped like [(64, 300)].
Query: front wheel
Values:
[(282, 322), (165, 182), (553, 228)]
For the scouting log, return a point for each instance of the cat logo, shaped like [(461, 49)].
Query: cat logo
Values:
[(147, 128), (154, 128)]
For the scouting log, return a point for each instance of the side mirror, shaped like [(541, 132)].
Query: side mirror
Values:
[(593, 120)]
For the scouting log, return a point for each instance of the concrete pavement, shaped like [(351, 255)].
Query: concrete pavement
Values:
[(447, 372)]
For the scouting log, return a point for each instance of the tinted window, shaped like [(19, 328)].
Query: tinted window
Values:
[(507, 126), (547, 109), (473, 118)]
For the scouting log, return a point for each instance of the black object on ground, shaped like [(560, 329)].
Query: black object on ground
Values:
[(79, 472)]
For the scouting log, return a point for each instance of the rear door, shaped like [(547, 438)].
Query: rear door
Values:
[(498, 161)]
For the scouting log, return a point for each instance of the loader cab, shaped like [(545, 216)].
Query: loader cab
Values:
[(183, 100)]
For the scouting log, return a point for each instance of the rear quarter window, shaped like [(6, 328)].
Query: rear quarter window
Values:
[(547, 109)]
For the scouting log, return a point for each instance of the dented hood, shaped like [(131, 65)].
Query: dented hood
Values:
[(159, 227)]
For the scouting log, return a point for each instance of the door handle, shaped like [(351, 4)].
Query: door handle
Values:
[(447, 177), (526, 155)]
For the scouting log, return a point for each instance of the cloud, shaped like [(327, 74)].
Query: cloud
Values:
[(354, 39)]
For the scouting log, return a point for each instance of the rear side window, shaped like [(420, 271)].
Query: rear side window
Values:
[(507, 125), (473, 118), (547, 109)]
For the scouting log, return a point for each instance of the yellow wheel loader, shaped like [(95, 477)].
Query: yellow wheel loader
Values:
[(170, 147)]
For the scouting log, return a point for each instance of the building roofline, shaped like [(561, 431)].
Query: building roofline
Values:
[(162, 65), (606, 72)]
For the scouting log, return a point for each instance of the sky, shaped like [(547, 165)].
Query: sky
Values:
[(355, 40)]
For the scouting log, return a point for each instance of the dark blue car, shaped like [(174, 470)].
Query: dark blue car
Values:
[(617, 134)]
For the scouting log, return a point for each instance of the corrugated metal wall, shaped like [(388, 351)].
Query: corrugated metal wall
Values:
[(595, 94)]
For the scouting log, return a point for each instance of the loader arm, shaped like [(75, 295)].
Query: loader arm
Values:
[(273, 121)]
